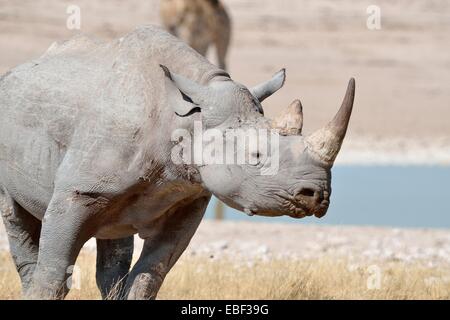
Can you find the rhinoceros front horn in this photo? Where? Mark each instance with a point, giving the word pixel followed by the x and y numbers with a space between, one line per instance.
pixel 326 142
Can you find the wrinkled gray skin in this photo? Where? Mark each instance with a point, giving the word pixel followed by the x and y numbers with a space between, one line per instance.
pixel 85 144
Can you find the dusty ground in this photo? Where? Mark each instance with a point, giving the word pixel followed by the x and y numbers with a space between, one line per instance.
pixel 402 71
pixel 228 260
pixel 247 242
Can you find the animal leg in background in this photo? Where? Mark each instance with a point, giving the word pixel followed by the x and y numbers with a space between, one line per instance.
pixel 221 44
pixel 222 37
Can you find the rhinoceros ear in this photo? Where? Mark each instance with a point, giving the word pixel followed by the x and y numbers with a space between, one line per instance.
pixel 266 89
pixel 181 93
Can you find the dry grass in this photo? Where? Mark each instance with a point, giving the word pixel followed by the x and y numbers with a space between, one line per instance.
pixel 10 282
pixel 195 278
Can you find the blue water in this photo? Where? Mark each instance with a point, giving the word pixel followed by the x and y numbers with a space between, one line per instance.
pixel 397 196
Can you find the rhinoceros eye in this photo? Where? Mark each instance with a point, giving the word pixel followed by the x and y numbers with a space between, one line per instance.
pixel 255 158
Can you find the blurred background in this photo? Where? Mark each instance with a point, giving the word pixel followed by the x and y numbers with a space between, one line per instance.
pixel 393 168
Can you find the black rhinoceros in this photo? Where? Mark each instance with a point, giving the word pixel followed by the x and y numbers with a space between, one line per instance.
pixel 86 150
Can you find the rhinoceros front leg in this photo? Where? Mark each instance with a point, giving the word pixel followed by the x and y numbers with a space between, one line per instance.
pixel 23 235
pixel 161 251
pixel 113 264
pixel 68 223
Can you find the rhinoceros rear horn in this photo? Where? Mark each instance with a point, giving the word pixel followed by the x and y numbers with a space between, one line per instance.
pixel 291 121
pixel 326 142
pixel 266 89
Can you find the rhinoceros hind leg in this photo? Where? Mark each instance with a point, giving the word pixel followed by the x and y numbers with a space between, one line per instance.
pixel 23 235
pixel 113 264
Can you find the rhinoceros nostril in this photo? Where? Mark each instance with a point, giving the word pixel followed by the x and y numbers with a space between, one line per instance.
pixel 307 192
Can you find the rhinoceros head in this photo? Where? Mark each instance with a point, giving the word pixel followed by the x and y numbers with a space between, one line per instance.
pixel 284 173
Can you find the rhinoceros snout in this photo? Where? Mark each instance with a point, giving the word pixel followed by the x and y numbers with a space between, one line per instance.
pixel 310 202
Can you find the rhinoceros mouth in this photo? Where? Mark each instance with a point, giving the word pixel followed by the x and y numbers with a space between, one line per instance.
pixel 296 209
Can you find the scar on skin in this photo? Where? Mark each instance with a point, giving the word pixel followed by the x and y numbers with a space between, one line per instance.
pixel 91 198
